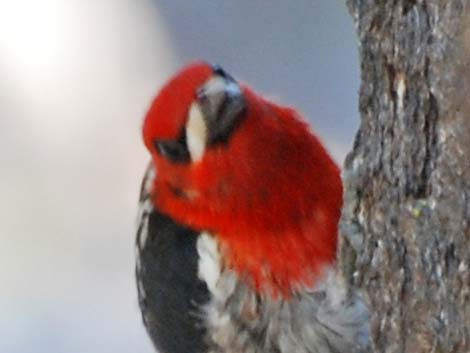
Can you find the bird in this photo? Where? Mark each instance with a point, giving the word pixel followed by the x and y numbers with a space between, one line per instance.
pixel 237 233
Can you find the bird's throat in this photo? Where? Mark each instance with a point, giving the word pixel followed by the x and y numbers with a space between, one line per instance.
pixel 278 263
pixel 274 253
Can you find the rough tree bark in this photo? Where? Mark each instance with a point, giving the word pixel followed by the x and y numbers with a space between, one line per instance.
pixel 406 220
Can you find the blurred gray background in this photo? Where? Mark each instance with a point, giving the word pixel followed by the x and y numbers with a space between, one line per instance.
pixel 76 77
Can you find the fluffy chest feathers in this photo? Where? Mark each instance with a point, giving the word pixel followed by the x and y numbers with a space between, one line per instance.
pixel 322 319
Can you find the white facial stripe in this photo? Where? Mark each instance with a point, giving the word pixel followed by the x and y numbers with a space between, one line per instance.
pixel 196 133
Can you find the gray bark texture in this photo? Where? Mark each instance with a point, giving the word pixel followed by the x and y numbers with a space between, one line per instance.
pixel 406 220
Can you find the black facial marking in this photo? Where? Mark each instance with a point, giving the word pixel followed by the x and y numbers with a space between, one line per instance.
pixel 218 70
pixel 174 150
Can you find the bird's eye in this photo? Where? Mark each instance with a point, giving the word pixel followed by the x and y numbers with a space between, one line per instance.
pixel 173 150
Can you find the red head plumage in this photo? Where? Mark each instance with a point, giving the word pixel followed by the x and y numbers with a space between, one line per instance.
pixel 168 112
pixel 268 189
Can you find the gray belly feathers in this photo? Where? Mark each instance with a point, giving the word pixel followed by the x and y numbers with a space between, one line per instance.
pixel 325 319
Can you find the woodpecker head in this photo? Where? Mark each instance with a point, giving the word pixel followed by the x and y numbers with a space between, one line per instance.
pixel 249 171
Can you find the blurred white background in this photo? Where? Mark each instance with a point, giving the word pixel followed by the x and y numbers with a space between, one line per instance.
pixel 76 77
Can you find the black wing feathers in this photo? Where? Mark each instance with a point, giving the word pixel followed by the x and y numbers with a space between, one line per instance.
pixel 170 292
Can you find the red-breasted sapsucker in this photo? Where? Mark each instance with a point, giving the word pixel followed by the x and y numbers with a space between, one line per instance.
pixel 238 226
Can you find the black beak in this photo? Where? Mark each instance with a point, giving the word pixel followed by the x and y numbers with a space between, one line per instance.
pixel 223 105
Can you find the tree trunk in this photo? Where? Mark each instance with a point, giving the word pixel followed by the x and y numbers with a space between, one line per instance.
pixel 406 220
